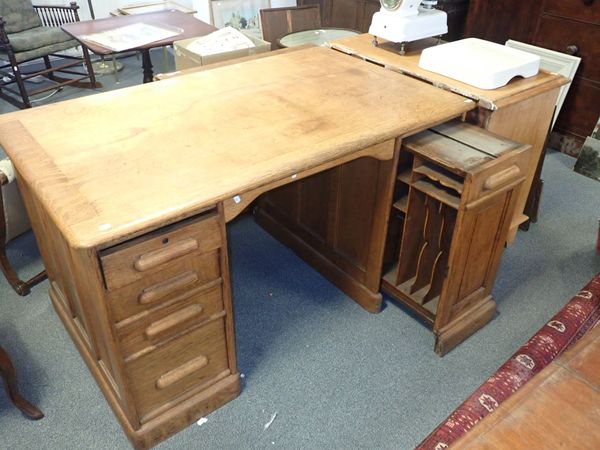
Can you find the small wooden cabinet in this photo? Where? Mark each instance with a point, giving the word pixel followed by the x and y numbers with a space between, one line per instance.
pixel 455 192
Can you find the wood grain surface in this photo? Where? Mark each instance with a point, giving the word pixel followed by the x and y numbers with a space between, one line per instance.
pixel 387 55
pixel 163 151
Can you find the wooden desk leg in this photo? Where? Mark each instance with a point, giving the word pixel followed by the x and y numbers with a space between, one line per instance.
pixel 147 66
pixel 8 373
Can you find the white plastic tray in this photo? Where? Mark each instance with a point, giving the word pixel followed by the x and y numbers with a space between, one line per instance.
pixel 480 63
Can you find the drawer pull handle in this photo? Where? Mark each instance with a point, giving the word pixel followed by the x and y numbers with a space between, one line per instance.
pixel 173 376
pixel 158 327
pixel 572 49
pixel 501 178
pixel 155 258
pixel 158 291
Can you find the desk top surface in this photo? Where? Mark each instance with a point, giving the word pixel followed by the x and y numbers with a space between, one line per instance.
pixel 191 27
pixel 386 54
pixel 113 165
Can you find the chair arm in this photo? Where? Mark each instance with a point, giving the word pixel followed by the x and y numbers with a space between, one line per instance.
pixel 55 16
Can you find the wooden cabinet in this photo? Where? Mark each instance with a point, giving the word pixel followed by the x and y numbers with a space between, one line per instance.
pixel 357 14
pixel 567 26
pixel 455 193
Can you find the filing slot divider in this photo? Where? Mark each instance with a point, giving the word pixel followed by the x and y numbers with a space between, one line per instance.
pixel 459 180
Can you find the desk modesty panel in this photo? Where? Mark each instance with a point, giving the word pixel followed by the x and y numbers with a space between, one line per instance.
pixel 129 207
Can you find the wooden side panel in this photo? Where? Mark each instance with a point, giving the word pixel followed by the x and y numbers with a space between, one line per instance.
pixel 337 221
pixel 314 198
pixel 527 122
pixel 481 246
pixel 356 203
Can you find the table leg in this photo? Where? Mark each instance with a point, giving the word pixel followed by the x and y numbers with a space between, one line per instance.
pixel 147 66
pixel 7 371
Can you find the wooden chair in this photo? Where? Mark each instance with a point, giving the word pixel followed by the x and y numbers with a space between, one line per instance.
pixel 9 375
pixel 13 222
pixel 277 22
pixel 30 32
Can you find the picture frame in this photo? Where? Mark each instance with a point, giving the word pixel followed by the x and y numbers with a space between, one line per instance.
pixel 552 61
pixel 240 14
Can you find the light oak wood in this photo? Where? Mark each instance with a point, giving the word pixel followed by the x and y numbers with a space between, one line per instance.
pixel 386 54
pixel 461 198
pixel 288 127
pixel 139 268
pixel 520 111
pixel 558 408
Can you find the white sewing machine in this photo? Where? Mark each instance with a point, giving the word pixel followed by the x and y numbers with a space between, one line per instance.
pixel 407 20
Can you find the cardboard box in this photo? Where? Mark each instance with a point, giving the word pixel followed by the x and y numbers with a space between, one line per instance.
pixel 185 59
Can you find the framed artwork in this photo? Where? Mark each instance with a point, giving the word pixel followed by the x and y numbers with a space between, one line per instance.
pixel 561 63
pixel 240 14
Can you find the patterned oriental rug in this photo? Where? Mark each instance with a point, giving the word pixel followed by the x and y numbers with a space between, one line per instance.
pixel 580 314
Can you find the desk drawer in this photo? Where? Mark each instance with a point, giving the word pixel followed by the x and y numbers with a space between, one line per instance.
pixel 154 252
pixel 198 358
pixel 167 286
pixel 587 11
pixel 566 36
pixel 143 332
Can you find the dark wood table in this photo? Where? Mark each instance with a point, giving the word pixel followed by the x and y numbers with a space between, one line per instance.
pixel 191 28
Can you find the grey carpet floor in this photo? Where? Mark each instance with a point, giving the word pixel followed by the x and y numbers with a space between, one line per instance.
pixel 334 375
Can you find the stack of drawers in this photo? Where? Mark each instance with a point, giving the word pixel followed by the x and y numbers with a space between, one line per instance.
pixel 165 295
pixel 573 27
pixel 566 26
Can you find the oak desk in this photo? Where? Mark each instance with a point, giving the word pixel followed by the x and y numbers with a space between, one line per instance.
pixel 131 221
pixel 521 111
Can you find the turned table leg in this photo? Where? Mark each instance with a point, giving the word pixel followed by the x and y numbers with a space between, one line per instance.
pixel 7 371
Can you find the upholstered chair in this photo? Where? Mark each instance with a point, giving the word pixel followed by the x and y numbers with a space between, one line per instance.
pixel 29 32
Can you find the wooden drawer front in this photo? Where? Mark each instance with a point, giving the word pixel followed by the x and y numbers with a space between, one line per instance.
pixel 195 359
pixel 586 10
pixel 143 332
pixel 156 251
pixel 167 286
pixel 579 113
pixel 559 34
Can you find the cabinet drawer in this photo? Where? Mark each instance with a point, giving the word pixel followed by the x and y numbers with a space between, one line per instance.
pixel 575 9
pixel 560 34
pixel 579 113
pixel 168 285
pixel 198 358
pixel 143 332
pixel 156 251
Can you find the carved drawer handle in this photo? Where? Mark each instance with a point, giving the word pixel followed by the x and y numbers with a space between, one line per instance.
pixel 158 291
pixel 501 178
pixel 155 258
pixel 158 327
pixel 572 49
pixel 173 376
